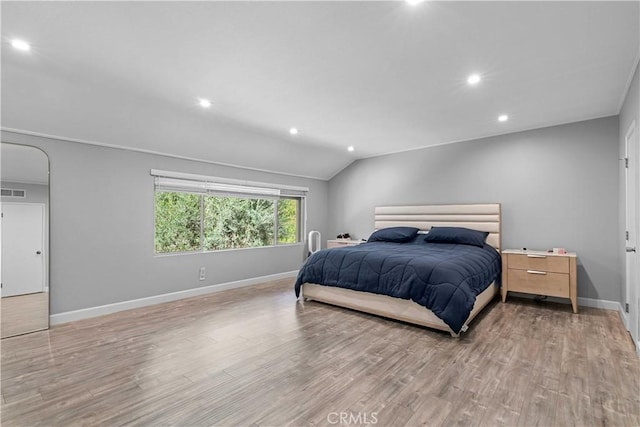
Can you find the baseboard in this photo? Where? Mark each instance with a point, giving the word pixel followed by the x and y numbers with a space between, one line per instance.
pixel 624 317
pixel 582 302
pixel 86 313
pixel 625 321
pixel 600 303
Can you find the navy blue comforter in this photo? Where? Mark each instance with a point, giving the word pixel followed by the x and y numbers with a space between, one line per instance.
pixel 445 278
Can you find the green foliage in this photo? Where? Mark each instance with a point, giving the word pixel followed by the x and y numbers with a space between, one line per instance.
pixel 287 221
pixel 228 222
pixel 231 222
pixel 177 222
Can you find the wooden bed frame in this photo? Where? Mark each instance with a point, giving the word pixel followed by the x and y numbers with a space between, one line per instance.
pixel 483 217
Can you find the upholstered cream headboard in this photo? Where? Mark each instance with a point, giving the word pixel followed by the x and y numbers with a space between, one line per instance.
pixel 483 217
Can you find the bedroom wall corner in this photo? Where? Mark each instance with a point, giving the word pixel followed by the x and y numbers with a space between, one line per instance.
pixel 558 187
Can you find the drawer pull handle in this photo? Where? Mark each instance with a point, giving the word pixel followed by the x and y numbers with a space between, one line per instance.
pixel 536 256
pixel 536 272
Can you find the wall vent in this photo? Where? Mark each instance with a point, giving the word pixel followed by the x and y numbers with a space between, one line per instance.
pixel 11 192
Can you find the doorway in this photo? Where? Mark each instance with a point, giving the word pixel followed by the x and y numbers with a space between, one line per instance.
pixel 23 266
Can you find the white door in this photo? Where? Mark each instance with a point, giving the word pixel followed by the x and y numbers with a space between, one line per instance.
pixel 632 217
pixel 23 268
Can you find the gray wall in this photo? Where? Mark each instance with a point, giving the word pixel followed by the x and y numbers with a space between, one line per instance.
pixel 629 113
pixel 102 227
pixel 558 187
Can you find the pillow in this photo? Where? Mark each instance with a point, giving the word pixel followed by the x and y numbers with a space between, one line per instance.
pixel 458 235
pixel 394 234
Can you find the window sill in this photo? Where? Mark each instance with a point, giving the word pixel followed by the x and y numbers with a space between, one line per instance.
pixel 171 254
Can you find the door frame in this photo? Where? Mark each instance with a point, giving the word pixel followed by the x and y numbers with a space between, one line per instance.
pixel 45 284
pixel 632 293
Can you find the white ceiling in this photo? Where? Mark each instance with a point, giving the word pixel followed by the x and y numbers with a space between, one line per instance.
pixel 381 76
pixel 19 163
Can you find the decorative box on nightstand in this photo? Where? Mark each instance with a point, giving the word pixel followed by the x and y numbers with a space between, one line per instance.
pixel 540 273
pixel 338 243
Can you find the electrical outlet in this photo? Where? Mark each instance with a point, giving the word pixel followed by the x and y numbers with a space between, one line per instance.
pixel 202 275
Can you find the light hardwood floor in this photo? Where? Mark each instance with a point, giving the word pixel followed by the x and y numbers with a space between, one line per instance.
pixel 254 356
pixel 24 313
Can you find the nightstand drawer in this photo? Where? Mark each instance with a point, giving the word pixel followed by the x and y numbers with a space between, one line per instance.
pixel 549 263
pixel 538 282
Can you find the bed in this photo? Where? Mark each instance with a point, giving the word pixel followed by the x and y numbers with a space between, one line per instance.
pixel 328 276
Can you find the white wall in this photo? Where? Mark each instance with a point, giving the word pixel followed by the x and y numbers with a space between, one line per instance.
pixel 102 227
pixel 558 187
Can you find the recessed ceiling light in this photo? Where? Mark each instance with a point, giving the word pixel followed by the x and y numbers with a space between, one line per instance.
pixel 414 2
pixel 503 118
pixel 293 131
pixel 473 79
pixel 205 103
pixel 20 45
pixel 350 148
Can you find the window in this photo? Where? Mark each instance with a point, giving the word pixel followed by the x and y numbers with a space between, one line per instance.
pixel 194 213
pixel 177 222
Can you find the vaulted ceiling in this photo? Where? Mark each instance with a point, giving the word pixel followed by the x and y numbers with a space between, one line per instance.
pixel 379 76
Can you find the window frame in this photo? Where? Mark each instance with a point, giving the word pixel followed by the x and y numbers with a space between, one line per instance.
pixel 299 219
pixel 205 186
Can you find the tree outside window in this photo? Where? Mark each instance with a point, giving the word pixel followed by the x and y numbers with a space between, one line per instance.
pixel 192 222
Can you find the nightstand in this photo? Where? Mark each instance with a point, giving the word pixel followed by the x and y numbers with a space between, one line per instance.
pixel 540 273
pixel 339 243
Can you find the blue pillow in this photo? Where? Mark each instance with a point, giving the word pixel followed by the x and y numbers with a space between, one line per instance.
pixel 457 235
pixel 394 234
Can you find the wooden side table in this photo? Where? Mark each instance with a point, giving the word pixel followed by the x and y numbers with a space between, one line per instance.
pixel 540 273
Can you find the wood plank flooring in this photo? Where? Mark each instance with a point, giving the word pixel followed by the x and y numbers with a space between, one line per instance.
pixel 256 357
pixel 24 313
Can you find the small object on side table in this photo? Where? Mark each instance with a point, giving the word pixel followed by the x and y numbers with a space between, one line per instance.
pixel 338 243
